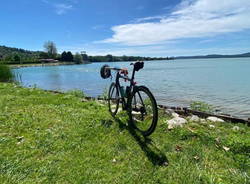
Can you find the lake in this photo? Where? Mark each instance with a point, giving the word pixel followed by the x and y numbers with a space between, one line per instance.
pixel 224 83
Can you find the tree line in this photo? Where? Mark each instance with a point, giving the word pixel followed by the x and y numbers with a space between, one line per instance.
pixel 18 56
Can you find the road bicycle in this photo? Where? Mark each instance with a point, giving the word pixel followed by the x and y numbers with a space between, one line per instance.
pixel 138 101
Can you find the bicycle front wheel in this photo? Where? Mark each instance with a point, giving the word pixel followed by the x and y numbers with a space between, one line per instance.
pixel 113 99
pixel 143 112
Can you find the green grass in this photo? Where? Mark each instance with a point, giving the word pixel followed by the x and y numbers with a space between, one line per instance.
pixel 56 138
pixel 6 74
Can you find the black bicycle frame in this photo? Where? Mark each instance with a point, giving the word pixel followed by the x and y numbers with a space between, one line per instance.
pixel 132 84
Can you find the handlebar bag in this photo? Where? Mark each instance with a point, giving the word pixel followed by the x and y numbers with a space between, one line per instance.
pixel 105 72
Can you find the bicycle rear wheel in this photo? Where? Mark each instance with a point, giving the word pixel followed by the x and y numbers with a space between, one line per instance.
pixel 143 112
pixel 113 99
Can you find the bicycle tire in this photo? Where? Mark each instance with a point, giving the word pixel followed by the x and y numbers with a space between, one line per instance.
pixel 151 124
pixel 113 101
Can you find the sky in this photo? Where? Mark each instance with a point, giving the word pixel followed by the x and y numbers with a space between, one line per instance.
pixel 128 27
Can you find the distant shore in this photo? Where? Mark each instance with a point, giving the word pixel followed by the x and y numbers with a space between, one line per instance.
pixel 40 64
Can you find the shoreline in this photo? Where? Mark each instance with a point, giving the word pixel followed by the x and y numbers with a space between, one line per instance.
pixel 180 110
pixel 16 66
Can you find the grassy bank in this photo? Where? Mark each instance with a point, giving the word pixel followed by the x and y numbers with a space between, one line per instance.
pixel 56 138
pixel 6 74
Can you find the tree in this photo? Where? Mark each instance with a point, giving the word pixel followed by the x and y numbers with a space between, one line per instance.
pixel 69 56
pixel 17 58
pixel 78 58
pixel 43 55
pixel 85 57
pixel 50 48
pixel 109 57
pixel 64 56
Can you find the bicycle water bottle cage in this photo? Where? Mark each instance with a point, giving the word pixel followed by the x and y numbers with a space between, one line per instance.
pixel 105 72
pixel 138 65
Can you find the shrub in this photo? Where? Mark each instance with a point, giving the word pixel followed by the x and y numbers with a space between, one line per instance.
pixel 6 75
pixel 78 58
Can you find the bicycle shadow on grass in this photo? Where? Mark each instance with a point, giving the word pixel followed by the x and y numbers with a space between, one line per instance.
pixel 154 154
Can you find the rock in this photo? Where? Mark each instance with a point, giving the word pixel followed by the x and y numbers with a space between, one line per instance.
pixel 194 118
pixel 169 112
pixel 175 115
pixel 215 119
pixel 165 163
pixel 196 157
pixel 84 100
pixel 102 101
pixel 175 122
pixel 236 128
pixel 226 148
pixel 211 126
pixel 203 121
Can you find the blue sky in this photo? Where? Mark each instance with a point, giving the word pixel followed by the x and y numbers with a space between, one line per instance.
pixel 131 27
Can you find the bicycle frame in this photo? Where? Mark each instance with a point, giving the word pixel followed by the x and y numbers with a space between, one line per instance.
pixel 131 86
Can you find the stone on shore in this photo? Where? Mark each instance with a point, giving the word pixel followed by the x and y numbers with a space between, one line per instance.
pixel 211 126
pixel 175 115
pixel 203 121
pixel 175 122
pixel 215 119
pixel 169 112
pixel 194 118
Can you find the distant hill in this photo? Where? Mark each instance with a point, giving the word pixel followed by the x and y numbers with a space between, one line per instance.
pixel 214 56
pixel 4 51
pixel 15 55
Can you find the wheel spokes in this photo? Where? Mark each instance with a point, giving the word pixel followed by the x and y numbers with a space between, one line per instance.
pixel 142 114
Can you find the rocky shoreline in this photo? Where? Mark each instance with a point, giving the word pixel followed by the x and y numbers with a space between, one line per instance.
pixel 189 114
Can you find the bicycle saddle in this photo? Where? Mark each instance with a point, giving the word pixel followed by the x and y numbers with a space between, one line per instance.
pixel 138 65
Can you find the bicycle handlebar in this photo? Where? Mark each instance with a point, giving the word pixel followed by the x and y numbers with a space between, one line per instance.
pixel 114 68
pixel 106 73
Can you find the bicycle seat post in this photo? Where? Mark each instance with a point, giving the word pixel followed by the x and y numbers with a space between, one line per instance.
pixel 132 78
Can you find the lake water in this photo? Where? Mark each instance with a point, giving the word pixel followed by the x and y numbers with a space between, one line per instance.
pixel 224 83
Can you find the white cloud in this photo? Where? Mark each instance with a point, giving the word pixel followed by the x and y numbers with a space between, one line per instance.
pixel 145 19
pixel 191 19
pixel 62 8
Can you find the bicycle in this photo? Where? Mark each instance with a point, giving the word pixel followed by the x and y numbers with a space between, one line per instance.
pixel 138 101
